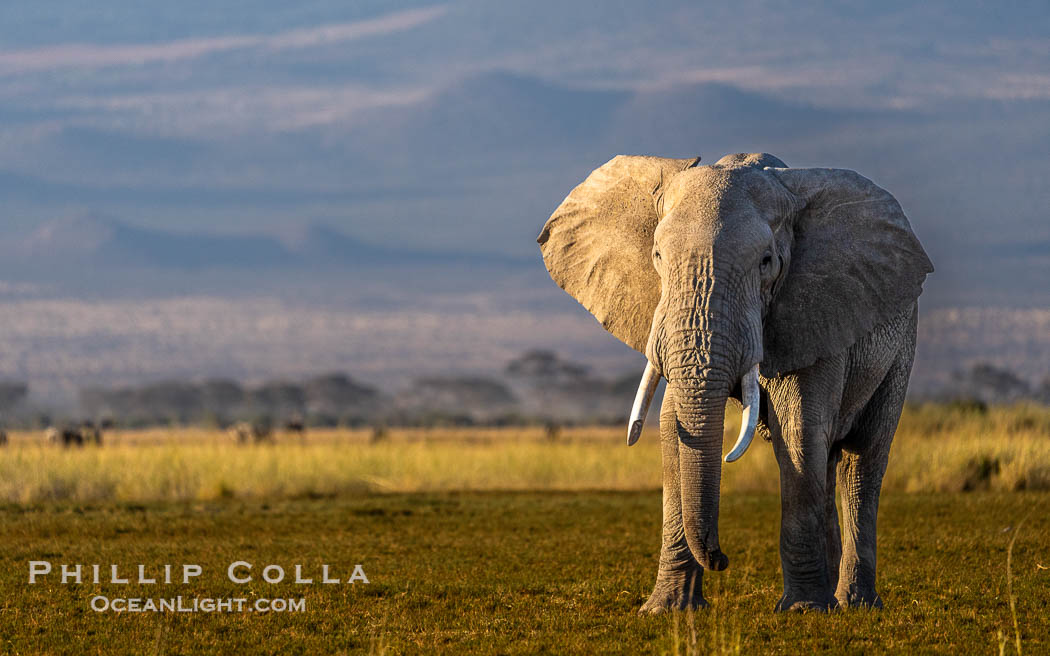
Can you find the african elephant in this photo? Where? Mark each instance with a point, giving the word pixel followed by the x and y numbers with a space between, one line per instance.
pixel 792 290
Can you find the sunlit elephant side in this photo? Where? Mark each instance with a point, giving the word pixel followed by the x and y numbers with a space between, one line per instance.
pixel 793 290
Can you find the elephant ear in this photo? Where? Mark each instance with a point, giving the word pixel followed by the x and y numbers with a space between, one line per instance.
pixel 598 244
pixel 854 264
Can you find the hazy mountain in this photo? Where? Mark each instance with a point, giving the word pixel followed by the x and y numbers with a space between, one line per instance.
pixel 714 118
pixel 323 244
pixel 466 176
pixel 105 242
pixel 320 244
pixel 524 121
pixel 506 113
pixel 76 254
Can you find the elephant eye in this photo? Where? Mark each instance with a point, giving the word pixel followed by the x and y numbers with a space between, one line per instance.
pixel 656 255
pixel 767 261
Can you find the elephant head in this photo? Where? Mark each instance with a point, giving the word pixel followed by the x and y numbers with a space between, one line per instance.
pixel 717 273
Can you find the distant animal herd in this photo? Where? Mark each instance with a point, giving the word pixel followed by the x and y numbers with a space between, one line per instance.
pixel 87 432
pixel 90 433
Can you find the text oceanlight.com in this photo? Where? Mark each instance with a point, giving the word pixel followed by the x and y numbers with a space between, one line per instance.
pixel 101 604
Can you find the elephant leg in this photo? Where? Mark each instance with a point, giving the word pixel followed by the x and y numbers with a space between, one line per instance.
pixel 679 581
pixel 806 406
pixel 866 451
pixel 804 547
pixel 831 519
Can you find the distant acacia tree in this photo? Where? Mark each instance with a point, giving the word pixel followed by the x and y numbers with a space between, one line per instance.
pixel 223 399
pixel 278 398
pixel 170 401
pixel 556 389
pixel 11 394
pixel 462 399
pixel 545 368
pixel 95 402
pixel 988 384
pixel 1042 393
pixel 222 394
pixel 466 390
pixel 335 397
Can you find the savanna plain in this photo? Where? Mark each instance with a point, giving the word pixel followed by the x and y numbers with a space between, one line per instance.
pixel 509 540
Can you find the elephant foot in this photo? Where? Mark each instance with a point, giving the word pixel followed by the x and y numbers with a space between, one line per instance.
pixel 859 598
pixel 790 604
pixel 675 591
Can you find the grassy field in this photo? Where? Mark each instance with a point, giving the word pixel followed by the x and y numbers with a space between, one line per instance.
pixel 516 573
pixel 937 449
pixel 505 541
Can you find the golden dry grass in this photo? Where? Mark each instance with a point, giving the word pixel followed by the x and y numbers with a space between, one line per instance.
pixel 937 449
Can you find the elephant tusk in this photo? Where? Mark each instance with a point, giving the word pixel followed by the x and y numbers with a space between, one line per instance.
pixel 749 420
pixel 642 399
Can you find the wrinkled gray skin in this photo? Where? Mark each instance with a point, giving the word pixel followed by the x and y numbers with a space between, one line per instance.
pixel 708 270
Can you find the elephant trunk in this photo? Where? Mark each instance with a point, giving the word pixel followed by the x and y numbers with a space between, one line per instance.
pixel 700 410
pixel 704 346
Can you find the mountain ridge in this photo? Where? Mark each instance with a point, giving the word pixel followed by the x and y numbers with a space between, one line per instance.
pixel 99 240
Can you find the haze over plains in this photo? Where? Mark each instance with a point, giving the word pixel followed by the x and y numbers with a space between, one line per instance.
pixel 193 191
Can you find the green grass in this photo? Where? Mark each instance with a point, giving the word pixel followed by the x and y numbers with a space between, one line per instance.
pixel 518 572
